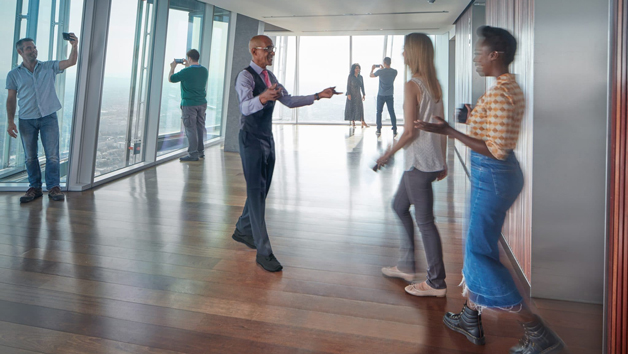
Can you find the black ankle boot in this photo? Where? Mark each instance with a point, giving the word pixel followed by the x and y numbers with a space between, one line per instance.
pixel 537 339
pixel 467 322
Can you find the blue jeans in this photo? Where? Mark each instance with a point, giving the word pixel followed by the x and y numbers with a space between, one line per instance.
pixel 30 129
pixel 495 185
pixel 390 103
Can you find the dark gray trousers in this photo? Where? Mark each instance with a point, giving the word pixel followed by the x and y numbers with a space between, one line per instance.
pixel 258 163
pixel 194 122
pixel 416 188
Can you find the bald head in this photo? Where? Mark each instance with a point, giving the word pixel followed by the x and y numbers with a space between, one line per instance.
pixel 259 41
pixel 262 50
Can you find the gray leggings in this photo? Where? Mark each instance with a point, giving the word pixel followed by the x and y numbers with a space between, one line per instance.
pixel 416 188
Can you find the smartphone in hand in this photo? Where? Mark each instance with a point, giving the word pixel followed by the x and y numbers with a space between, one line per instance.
pixel 66 36
pixel 179 61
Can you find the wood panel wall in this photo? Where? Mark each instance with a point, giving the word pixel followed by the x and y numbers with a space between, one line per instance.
pixel 518 17
pixel 617 282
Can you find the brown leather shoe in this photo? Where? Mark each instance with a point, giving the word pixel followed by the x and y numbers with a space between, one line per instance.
pixel 56 194
pixel 31 194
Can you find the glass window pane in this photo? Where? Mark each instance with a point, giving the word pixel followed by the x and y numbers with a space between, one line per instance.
pixel 369 50
pixel 284 67
pixel 197 32
pixel 44 49
pixel 58 11
pixel 74 23
pixel 318 70
pixel 395 52
pixel 12 168
pixel 184 33
pixel 23 25
pixel 6 57
pixel 217 65
pixel 124 94
pixel 25 7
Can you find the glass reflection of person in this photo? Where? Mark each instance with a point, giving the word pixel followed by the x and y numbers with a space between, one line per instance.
pixel 258 90
pixel 354 108
pixel 425 155
pixel 496 181
pixel 31 88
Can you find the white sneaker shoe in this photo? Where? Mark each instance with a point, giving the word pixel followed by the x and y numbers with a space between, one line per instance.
pixel 423 289
pixel 394 272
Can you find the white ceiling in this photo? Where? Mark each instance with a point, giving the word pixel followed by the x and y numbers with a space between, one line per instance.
pixel 344 17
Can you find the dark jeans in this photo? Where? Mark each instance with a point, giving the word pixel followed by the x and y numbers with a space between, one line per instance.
pixel 194 122
pixel 258 163
pixel 390 103
pixel 30 129
pixel 416 188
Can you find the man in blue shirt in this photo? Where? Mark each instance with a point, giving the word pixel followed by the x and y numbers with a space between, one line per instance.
pixel 385 95
pixel 32 87
pixel 258 90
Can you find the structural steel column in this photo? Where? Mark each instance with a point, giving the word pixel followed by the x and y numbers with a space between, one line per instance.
pixel 91 69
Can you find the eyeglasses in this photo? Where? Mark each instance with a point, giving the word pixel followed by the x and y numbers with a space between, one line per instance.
pixel 269 49
pixel 478 53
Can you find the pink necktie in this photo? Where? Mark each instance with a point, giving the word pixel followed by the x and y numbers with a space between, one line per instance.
pixel 266 79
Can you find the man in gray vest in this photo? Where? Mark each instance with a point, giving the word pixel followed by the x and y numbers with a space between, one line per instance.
pixel 385 95
pixel 258 90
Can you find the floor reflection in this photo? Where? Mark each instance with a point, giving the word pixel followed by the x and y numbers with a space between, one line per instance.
pixel 152 252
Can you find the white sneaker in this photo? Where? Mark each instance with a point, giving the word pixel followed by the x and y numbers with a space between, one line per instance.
pixel 423 289
pixel 394 272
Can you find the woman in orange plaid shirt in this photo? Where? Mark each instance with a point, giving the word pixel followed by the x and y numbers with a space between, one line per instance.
pixel 496 181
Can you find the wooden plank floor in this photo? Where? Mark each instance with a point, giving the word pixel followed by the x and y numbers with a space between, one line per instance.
pixel 146 264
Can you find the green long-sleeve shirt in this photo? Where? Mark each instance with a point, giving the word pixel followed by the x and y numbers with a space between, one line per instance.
pixel 193 83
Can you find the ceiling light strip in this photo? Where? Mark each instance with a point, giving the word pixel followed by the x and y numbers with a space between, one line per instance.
pixel 366 14
pixel 371 30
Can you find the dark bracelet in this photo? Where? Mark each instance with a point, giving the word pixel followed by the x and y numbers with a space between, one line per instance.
pixel 317 97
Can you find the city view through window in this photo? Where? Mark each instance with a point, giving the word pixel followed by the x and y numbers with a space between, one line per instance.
pixel 318 70
pixel 124 97
pixel 50 46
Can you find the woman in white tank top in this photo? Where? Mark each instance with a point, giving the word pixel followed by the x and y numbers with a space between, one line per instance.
pixel 424 163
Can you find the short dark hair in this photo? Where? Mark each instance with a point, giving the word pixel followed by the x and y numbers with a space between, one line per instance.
pixel 499 39
pixel 193 54
pixel 20 44
pixel 387 61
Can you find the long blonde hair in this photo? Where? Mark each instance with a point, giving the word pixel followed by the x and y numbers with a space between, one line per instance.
pixel 419 53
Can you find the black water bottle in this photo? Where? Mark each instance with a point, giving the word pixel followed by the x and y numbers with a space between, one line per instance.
pixel 462 113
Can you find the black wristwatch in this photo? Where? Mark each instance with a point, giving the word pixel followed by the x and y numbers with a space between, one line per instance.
pixel 317 97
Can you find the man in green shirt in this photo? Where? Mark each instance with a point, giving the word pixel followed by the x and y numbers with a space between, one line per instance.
pixel 193 80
